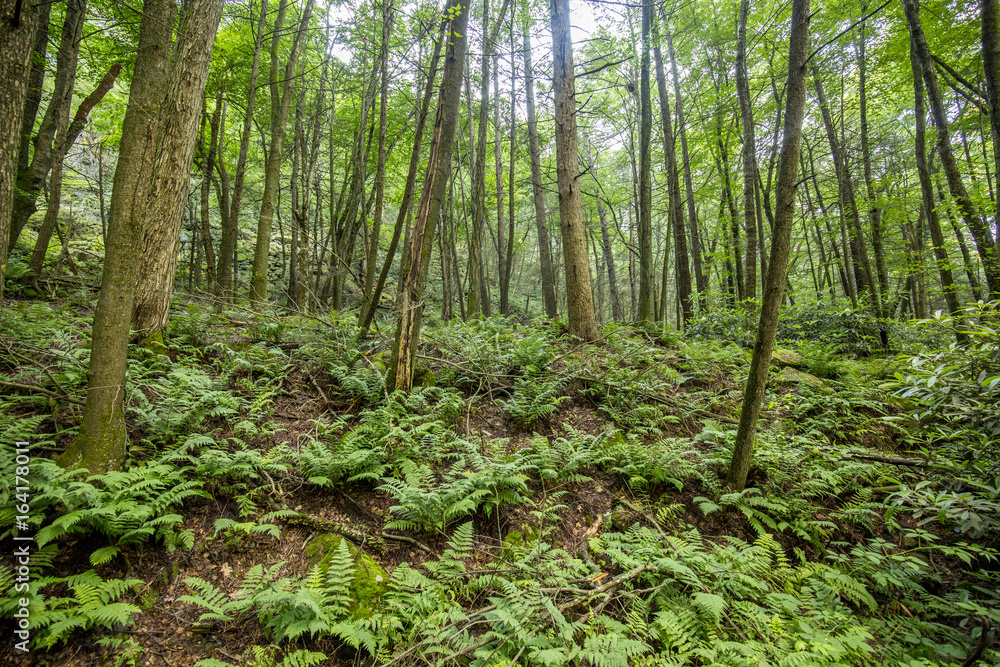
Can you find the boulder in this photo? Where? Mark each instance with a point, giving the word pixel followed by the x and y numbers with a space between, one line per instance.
pixel 792 376
pixel 783 358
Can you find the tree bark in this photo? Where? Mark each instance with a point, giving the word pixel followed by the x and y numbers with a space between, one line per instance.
pixel 165 205
pixel 545 257
pixel 991 64
pixel 414 272
pixel 579 296
pixel 774 285
pixel 609 261
pixel 18 24
pixel 100 444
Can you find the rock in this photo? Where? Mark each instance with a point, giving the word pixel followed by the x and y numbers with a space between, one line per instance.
pixel 370 580
pixel 790 375
pixel 786 358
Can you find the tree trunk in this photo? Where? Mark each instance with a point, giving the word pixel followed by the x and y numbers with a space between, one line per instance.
pixel 545 258
pixel 231 218
pixel 414 273
pixel 701 282
pixel 579 297
pixel 280 103
pixel 874 212
pixel 991 64
pixel 774 285
pixel 208 169
pixel 985 241
pixel 388 18
pixel 927 189
pixel 51 145
pixel 159 71
pixel 646 309
pixel 675 207
pixel 18 23
pixel 749 152
pixel 609 261
pixel 164 208
pixel 849 206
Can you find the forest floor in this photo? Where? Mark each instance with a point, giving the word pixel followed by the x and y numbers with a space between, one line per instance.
pixel 533 502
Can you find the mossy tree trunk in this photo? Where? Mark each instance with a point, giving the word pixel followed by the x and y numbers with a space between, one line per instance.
pixel 152 171
pixel 18 23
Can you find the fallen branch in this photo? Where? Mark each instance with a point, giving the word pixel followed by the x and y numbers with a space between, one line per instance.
pixel 889 459
pixel 41 390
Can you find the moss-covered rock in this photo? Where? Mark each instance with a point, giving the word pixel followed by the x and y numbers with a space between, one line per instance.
pixel 783 358
pixel 370 580
pixel 791 376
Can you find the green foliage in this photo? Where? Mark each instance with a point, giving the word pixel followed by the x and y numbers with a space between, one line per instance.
pixel 534 400
pixel 94 604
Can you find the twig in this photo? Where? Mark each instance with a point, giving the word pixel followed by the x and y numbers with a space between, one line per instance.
pixel 613 583
pixel 644 515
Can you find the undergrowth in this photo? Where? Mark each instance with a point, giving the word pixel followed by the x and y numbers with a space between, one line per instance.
pixel 572 497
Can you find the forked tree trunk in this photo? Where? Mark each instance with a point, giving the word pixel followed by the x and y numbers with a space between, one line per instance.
pixel 774 285
pixel 164 207
pixel 579 296
pixel 100 445
pixel 414 271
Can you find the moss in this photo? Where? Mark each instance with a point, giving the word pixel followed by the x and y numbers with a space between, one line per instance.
pixel 154 343
pixel 370 580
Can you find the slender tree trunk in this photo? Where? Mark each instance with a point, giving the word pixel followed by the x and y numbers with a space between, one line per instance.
pixel 414 272
pixel 849 207
pixel 388 18
pixel 508 264
pixel 609 261
pixel 774 285
pixel 231 218
pixel 749 151
pixel 367 314
pixel 701 282
pixel 645 184
pixel 208 170
pixel 970 268
pixel 51 146
pixel 927 189
pixel 280 103
pixel 874 212
pixel 545 257
pixel 579 296
pixel 675 206
pixel 985 241
pixel 991 65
